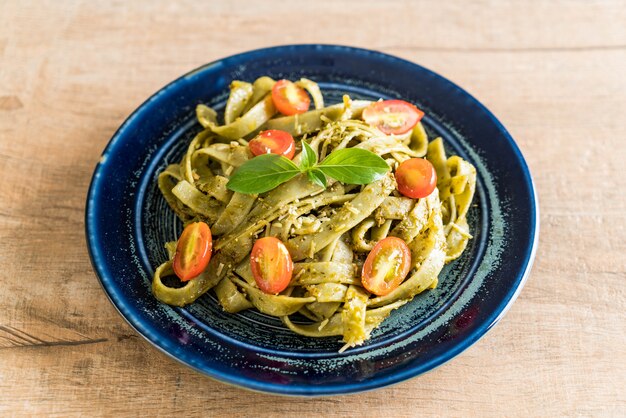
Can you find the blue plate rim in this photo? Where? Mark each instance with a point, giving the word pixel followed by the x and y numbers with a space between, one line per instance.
pixel 374 383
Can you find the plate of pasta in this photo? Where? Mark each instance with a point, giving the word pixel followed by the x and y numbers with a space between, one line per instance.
pixel 312 220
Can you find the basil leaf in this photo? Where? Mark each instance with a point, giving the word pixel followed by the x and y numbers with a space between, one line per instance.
pixel 317 177
pixel 262 173
pixel 308 158
pixel 354 166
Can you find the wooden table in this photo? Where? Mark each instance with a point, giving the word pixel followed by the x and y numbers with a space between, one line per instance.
pixel 554 72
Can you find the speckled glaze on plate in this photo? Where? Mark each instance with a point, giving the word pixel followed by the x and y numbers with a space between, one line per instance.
pixel 127 223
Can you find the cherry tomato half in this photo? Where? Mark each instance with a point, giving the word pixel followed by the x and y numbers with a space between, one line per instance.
pixel 416 178
pixel 386 266
pixel 289 98
pixel 273 141
pixel 392 116
pixel 193 251
pixel 271 265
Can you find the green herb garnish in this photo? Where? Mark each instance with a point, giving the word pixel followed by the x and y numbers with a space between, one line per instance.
pixel 308 158
pixel 354 166
pixel 349 165
pixel 262 173
pixel 317 176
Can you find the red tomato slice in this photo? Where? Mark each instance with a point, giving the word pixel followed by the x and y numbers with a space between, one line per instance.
pixel 290 99
pixel 193 251
pixel 271 265
pixel 386 266
pixel 392 116
pixel 416 178
pixel 273 141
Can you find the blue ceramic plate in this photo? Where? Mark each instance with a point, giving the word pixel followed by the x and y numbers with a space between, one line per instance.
pixel 128 221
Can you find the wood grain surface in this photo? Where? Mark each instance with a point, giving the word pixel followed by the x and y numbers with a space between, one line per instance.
pixel 554 72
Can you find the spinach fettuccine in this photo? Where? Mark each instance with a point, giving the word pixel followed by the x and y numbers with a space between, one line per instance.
pixel 328 217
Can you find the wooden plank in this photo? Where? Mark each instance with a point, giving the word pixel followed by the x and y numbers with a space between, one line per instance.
pixel 552 71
